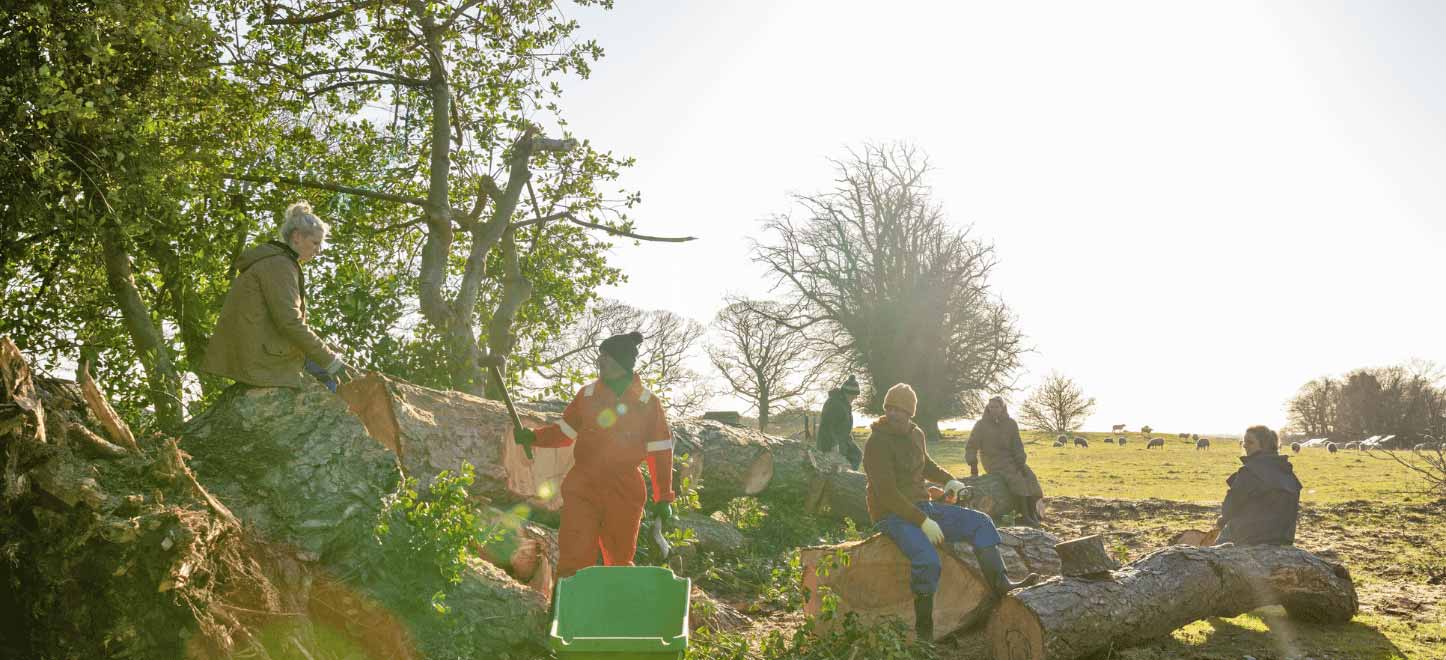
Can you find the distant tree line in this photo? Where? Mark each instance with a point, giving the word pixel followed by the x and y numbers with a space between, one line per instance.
pixel 1407 401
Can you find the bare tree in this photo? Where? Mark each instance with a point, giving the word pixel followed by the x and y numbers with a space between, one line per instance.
pixel 670 343
pixel 762 359
pixel 889 287
pixel 1313 410
pixel 1058 405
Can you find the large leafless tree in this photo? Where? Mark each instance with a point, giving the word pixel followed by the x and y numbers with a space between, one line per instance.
pixel 670 343
pixel 762 359
pixel 1057 405
pixel 888 286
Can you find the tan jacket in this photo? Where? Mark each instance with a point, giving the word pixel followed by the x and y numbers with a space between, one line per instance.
pixel 1002 450
pixel 262 338
pixel 897 463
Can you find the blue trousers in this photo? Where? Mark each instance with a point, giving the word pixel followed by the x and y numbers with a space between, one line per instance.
pixel 958 523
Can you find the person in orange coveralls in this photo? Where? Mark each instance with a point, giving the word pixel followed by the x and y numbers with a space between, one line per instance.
pixel 613 424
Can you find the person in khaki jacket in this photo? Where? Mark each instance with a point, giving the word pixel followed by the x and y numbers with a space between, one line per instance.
pixel 262 338
pixel 897 464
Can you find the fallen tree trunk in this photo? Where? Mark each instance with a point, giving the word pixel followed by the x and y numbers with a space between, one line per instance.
pixel 1067 618
pixel 843 495
pixel 990 494
pixel 431 431
pixel 871 577
pixel 735 462
pixel 712 536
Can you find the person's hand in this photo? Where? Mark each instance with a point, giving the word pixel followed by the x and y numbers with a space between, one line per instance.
pixel 524 437
pixel 932 531
pixel 952 488
pixel 663 512
pixel 973 469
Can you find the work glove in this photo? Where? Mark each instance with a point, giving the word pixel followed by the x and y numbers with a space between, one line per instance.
pixel 932 531
pixel 952 488
pixel 524 437
pixel 663 512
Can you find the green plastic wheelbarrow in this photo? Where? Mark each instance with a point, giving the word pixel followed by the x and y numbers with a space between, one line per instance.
pixel 620 613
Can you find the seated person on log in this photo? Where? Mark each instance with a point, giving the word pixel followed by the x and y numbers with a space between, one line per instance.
pixel 836 424
pixel 897 463
pixel 1263 501
pixel 995 439
pixel 262 338
pixel 614 424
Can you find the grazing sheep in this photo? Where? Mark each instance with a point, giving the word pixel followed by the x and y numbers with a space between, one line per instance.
pixel 1060 443
pixel 1331 447
pixel 1123 440
pixel 1081 442
pixel 1063 439
pixel 1202 443
pixel 1195 437
pixel 1157 442
pixel 1109 440
pixel 1295 447
pixel 1353 445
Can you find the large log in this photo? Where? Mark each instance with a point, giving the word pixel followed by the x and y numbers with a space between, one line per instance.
pixel 1067 618
pixel 298 468
pixel 734 461
pixel 432 430
pixel 523 548
pixel 842 495
pixel 712 536
pixel 871 577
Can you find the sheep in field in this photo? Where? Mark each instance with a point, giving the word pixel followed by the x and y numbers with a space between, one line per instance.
pixel 1295 447
pixel 1331 447
pixel 1157 442
pixel 1202 443
pixel 1081 442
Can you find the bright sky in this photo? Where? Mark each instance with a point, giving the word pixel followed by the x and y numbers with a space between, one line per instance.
pixel 1197 207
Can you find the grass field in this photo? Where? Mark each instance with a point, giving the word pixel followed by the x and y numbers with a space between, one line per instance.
pixel 1354 505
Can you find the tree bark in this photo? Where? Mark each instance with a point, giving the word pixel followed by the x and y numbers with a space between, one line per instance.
pixel 1069 618
pixel 842 495
pixel 164 384
pixel 735 461
pixel 875 582
pixel 431 431
pixel 713 537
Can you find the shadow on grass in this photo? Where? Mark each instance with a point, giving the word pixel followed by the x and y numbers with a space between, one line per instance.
pixel 1266 633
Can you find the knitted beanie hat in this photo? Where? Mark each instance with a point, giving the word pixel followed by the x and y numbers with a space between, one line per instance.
pixel 623 348
pixel 902 396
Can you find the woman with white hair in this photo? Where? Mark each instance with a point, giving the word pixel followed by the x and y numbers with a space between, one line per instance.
pixel 262 338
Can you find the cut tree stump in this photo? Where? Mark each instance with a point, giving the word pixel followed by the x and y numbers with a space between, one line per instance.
pixel 874 583
pixel 525 549
pixel 1084 557
pixel 1066 618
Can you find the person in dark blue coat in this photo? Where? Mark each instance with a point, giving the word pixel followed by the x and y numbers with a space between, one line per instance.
pixel 1263 502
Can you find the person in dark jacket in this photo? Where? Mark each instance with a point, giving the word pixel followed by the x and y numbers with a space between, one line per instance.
pixel 836 425
pixel 1263 501
pixel 897 464
pixel 996 440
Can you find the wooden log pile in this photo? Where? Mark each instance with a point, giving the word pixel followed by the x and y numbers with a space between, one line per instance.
pixel 1072 617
